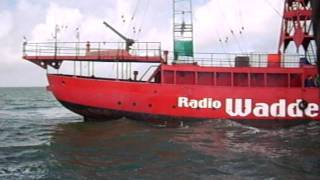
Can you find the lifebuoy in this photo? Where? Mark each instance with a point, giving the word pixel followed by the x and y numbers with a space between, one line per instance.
pixel 303 105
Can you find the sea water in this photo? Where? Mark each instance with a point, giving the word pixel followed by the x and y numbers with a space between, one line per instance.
pixel 40 139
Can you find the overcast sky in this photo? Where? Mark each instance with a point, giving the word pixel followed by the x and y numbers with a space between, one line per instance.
pixel 213 20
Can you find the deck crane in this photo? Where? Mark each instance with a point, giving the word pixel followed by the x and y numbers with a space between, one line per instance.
pixel 129 42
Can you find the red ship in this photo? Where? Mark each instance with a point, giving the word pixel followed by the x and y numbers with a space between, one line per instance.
pixel 260 89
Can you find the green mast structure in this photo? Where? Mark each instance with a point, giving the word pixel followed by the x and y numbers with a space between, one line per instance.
pixel 182 31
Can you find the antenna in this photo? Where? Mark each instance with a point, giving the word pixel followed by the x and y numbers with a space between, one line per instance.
pixel 182 29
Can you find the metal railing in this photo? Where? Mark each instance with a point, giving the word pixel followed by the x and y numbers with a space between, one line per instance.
pixel 253 60
pixel 145 49
pixel 153 49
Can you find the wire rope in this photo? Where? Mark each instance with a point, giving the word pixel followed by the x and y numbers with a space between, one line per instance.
pixel 274 9
pixel 142 23
pixel 229 26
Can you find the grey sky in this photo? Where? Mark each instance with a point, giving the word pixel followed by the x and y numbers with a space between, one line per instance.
pixel 213 20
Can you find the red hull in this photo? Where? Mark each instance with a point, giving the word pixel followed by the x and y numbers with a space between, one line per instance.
pixel 101 98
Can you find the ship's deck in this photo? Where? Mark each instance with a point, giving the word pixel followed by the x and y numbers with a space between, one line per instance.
pixel 97 58
pixel 150 52
pixel 214 69
pixel 92 51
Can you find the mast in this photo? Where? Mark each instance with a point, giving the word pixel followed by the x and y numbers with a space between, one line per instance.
pixel 182 30
pixel 297 27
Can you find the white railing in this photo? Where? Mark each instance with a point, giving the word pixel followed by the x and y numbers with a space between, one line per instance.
pixel 254 60
pixel 153 49
pixel 145 49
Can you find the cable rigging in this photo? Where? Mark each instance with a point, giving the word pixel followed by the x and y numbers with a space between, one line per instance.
pixel 141 25
pixel 135 26
pixel 133 18
pixel 230 29
pixel 242 26
pixel 274 9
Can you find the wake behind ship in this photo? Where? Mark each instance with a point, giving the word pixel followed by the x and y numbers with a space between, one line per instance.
pixel 267 89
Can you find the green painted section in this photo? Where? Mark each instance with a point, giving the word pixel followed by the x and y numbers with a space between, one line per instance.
pixel 183 48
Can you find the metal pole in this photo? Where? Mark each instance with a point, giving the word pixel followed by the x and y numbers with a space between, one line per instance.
pixel 173 29
pixel 117 72
pixel 122 70
pixel 129 71
pixel 80 68
pixel 88 68
pixel 93 69
pixel 74 68
pixel 56 40
pixel 127 68
pixel 193 60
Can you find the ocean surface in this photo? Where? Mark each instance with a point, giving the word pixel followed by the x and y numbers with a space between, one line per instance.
pixel 39 139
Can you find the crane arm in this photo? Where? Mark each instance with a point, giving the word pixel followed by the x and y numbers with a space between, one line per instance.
pixel 115 31
pixel 129 42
